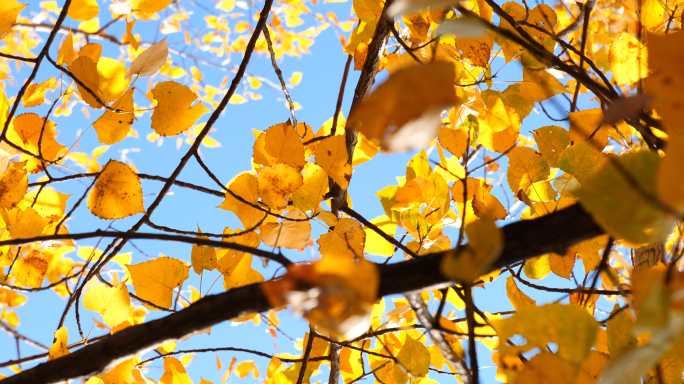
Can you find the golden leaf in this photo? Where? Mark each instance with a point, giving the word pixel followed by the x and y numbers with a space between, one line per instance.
pixel 117 193
pixel 331 155
pixel 276 183
pixel 156 279
pixel 174 113
pixel 112 303
pixel 59 347
pixel 112 127
pixel 346 240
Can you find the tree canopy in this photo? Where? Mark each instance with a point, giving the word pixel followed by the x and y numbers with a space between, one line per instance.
pixel 550 251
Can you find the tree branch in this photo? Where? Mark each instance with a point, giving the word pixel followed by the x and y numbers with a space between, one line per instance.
pixel 524 239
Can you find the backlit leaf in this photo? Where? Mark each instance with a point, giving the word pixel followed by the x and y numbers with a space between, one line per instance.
pixel 117 193
pixel 9 11
pixel 150 60
pixel 346 240
pixel 331 155
pixel 287 234
pixel 518 298
pixel 156 279
pixel 112 127
pixel 59 347
pixel 112 303
pixel 174 112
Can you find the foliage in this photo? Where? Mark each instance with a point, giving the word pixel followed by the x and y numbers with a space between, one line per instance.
pixel 611 159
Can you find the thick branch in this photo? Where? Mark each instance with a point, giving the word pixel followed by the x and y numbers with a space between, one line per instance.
pixel 524 239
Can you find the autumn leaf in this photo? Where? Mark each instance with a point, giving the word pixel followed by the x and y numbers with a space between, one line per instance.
pixel 13 184
pixel 174 372
pixel 279 144
pixel 112 127
pixel 525 167
pixel 485 243
pixel 83 10
pixel 311 193
pixel 539 85
pixel 66 54
pixel 331 155
pixel 9 11
pixel 150 60
pixel 375 244
pixel 134 43
pixel 412 96
pixel 203 258
pixel 628 59
pixel 241 273
pixel 569 326
pixel 35 93
pixel 156 279
pixel 414 357
pixel 23 223
pixel 276 183
pixel 245 186
pixel 547 368
pixel 26 132
pixel 551 141
pixel 346 240
pixel 518 298
pixel 174 113
pixel 104 78
pixel 59 347
pixel 30 270
pixel 617 197
pixel 121 374
pixel 287 234
pixel 117 193
pixel 112 303
pixel 151 6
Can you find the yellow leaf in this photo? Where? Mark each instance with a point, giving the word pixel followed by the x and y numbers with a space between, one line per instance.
pixel 243 369
pixel 13 185
pixel 651 15
pixel 113 303
pixel 486 205
pixel 241 274
pixel 92 50
pixel 245 186
pixel 311 193
pixel 156 279
pixel 174 113
pixel 476 49
pixel 525 166
pixel 112 127
pixel 279 144
pixel 66 54
pixel 31 269
pixel 345 240
pixel 562 265
pixel 551 141
pixel 495 118
pixel 59 347
pixel 592 367
pixel 23 223
pixel 669 180
pixel 375 244
pixel 517 297
pixel 505 140
pixel 83 10
pixel 174 372
pixel 287 234
pixel 569 326
pixel 547 368
pixel 227 259
pixel 121 374
pixel 110 83
pixel 35 93
pixel 539 85
pixel 117 193
pixel 410 96
pixel 50 204
pixel 586 124
pixel 202 258
pixel 454 140
pixel 295 79
pixel 9 11
pixel 620 208
pixel 537 267
pixel 581 160
pixel 149 61
pixel 628 59
pixel 276 183
pixel 485 243
pixel 414 357
pixel 131 38
pixel 331 155
pixel 25 132
pixel 168 347
pixel 368 10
